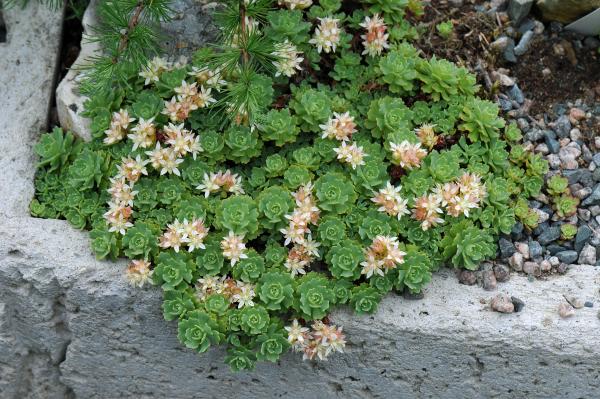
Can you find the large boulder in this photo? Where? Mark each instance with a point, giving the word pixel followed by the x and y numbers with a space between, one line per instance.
pixel 566 11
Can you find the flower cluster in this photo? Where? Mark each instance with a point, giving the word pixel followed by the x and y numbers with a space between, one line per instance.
pixel 319 341
pixel 341 127
pixel 383 255
pixel 407 155
pixel 376 38
pixel 237 292
pixel 139 272
pixel 118 127
pixel 190 234
pixel 233 247
pixel 151 73
pixel 457 197
pixel 225 181
pixel 189 98
pixel 287 59
pixel 298 233
pixel 327 35
pixel 390 201
pixel 351 154
pixel 207 77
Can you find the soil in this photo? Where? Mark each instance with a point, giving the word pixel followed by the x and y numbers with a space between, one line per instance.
pixel 573 72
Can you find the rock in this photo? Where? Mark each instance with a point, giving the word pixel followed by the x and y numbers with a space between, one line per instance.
pixel 535 249
pixel 506 247
pixel 545 265
pixel 502 273
pixel 412 296
pixel 593 198
pixel 190 28
pixel 489 280
pixel 532 268
pixel 518 304
pixel 568 156
pixel 565 310
pixel 576 115
pixel 562 268
pixel 515 94
pixel 500 44
pixel 596 158
pixel 567 256
pixel 551 142
pixel 587 256
pixel 575 134
pixel 553 160
pixel 554 261
pixel 584 214
pixel 555 248
pixel 524 43
pixel 518 10
pixel 509 52
pixel 596 174
pixel 517 231
pixel 566 11
pixel 467 277
pixel 584 233
pixel 549 235
pixel 588 304
pixel 582 176
pixel 574 301
pixel 562 126
pixel 502 303
pixel 582 193
pixel 516 261
pixel 595 210
pixel 523 248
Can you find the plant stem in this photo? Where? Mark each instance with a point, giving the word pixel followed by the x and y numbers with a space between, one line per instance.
pixel 132 24
pixel 243 33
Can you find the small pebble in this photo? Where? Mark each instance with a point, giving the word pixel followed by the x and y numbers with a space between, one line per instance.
pixel 523 248
pixel 562 268
pixel 554 261
pixel 576 115
pixel 502 303
pixel 565 310
pixel 532 268
pixel 516 261
pixel 588 304
pixel 587 256
pixel 523 45
pixel 502 273
pixel 574 301
pixel 467 277
pixel 545 265
pixel 489 280
pixel 517 303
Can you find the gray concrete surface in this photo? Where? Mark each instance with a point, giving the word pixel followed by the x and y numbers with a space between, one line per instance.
pixel 70 327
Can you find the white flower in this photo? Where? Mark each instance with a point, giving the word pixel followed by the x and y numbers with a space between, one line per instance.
pixel 244 296
pixel 296 333
pixel 327 35
pixel 234 247
pixel 139 273
pixel 350 154
pixel 287 59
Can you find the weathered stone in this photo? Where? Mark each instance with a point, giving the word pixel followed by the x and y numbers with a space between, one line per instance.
pixel 566 11
pixel 532 268
pixel 518 303
pixel 584 233
pixel 467 277
pixel 518 10
pixel 548 235
pixel 535 249
pixel 502 303
pixel 545 265
pixel 516 261
pixel 507 248
pixel 565 310
pixel 574 301
pixel 593 198
pixel 551 142
pixel 587 256
pixel 524 43
pixel 502 273
pixel 567 256
pixel 489 280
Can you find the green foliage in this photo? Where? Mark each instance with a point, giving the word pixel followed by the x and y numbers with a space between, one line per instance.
pixel 465 245
pixel 248 214
pixel 568 231
pixel 445 29
pixel 566 205
pixel 557 185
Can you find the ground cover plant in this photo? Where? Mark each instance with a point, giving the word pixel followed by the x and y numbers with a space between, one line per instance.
pixel 310 159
